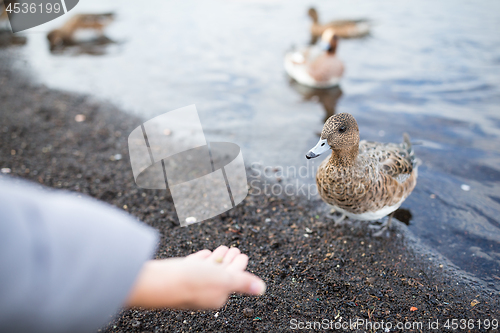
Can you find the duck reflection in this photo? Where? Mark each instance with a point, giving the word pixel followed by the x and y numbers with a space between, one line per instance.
pixel 7 38
pixel 327 97
pixel 96 46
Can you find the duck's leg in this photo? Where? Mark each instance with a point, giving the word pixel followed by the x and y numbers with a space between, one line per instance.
pixel 385 226
pixel 389 222
pixel 336 220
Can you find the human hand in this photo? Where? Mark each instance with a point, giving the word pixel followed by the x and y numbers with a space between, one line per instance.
pixel 202 280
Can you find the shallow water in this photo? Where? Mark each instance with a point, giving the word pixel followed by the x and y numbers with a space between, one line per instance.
pixel 429 69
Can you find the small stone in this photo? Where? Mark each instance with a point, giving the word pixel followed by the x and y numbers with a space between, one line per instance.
pixel 6 170
pixel 267 220
pixel 190 220
pixel 216 314
pixel 248 312
pixel 118 157
pixel 80 118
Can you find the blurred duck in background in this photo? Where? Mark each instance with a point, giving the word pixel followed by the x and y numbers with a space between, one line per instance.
pixel 67 34
pixel 316 67
pixel 343 28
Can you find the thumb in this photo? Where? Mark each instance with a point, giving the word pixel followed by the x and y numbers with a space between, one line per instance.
pixel 246 283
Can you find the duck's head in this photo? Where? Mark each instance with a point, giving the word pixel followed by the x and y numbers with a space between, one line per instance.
pixel 313 14
pixel 329 40
pixel 340 132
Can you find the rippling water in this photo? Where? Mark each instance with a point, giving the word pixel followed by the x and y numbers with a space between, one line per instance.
pixel 431 69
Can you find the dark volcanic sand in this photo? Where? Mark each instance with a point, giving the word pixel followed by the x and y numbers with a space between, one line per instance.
pixel 313 270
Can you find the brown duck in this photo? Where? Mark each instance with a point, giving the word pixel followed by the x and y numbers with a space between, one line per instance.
pixel 362 180
pixel 64 36
pixel 343 28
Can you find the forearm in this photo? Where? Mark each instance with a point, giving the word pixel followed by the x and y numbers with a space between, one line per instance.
pixel 159 286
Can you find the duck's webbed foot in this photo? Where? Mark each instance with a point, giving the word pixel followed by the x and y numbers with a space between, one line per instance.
pixel 336 217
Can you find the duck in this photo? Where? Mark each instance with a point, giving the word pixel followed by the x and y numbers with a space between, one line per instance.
pixel 343 28
pixel 65 35
pixel 362 180
pixel 316 67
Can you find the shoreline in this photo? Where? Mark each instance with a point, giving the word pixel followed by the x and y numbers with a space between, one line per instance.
pixel 313 270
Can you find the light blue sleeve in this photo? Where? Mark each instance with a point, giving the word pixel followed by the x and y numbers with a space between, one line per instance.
pixel 67 263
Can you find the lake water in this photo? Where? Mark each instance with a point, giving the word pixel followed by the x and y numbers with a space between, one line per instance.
pixel 431 69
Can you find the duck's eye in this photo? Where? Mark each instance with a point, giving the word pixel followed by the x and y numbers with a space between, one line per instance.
pixel 322 144
pixel 342 129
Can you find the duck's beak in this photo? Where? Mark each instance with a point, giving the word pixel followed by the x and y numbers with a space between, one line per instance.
pixel 321 147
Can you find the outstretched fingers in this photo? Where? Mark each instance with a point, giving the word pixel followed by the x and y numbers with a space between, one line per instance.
pixel 230 256
pixel 247 283
pixel 219 254
pixel 203 254
pixel 239 263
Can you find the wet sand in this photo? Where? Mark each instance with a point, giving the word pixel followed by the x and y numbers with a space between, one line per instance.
pixel 314 271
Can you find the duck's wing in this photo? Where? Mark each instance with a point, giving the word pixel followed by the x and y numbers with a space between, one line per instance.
pixel 351 28
pixel 395 160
